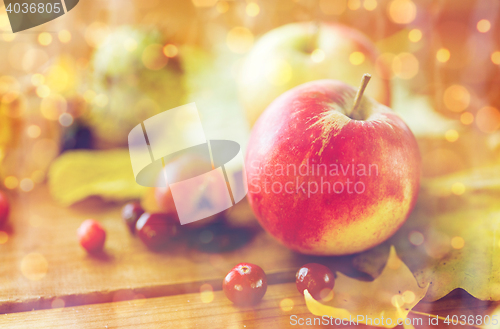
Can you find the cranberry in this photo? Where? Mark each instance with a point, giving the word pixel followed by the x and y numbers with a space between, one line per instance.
pixel 245 284
pixel 316 278
pixel 131 213
pixel 91 236
pixel 4 208
pixel 155 230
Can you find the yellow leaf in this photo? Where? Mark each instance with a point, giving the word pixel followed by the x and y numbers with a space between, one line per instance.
pixel 77 175
pixel 384 302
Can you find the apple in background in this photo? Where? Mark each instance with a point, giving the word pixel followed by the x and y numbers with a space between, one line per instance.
pixel 328 175
pixel 285 57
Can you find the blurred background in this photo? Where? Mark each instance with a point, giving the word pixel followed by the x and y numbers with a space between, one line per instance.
pixel 83 80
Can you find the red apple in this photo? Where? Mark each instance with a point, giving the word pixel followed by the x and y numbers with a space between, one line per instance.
pixel 328 177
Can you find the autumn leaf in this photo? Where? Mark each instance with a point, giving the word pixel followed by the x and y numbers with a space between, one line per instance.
pixel 452 238
pixel 77 175
pixel 384 302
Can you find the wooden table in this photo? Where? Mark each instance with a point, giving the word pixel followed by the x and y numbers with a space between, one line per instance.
pixel 47 280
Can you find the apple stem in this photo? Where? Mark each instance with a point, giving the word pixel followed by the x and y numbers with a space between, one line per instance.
pixel 313 42
pixel 357 101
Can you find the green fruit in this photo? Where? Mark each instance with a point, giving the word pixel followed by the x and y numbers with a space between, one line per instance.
pixel 128 89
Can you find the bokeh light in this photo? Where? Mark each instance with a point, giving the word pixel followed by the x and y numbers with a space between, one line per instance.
pixel 286 304
pixel 33 131
pixel 326 294
pixel 451 135
pixel 170 50
pixel 409 296
pixel 206 293
pixel 252 9
pixel 37 79
pixel 458 188
pixel 333 7
pixel 34 266
pixel 353 4
pixel 456 98
pixel 8 37
pixel 96 33
pixel 457 242
pixel 64 36
pixel 467 118
pixel 415 35
pixel 370 5
pixel 4 237
pixel 43 91
pixel 45 38
pixel 222 7
pixel 317 55
pixel 89 96
pixel 239 40
pixel 402 11
pixel 483 25
pixel 66 119
pixel 416 238
pixel 488 119
pixel 204 3
pixel 357 58
pixel 26 185
pixel 443 55
pixel 405 66
pixel 101 100
pixel 58 78
pixel 495 57
pixel 11 182
pixel 58 303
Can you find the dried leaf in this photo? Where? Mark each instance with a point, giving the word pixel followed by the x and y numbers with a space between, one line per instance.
pixel 386 301
pixel 450 241
pixel 77 175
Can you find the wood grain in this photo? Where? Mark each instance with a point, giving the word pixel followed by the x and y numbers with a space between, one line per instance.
pixel 40 226
pixel 188 311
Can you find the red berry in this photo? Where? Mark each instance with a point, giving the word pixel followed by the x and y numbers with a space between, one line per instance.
pixel 156 230
pixel 91 236
pixel 245 284
pixel 4 208
pixel 131 213
pixel 316 278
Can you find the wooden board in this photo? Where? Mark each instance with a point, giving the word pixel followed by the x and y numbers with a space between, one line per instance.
pixel 130 286
pixel 39 226
pixel 189 311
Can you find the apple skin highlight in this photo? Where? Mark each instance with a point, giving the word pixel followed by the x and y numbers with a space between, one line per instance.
pixel 307 126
